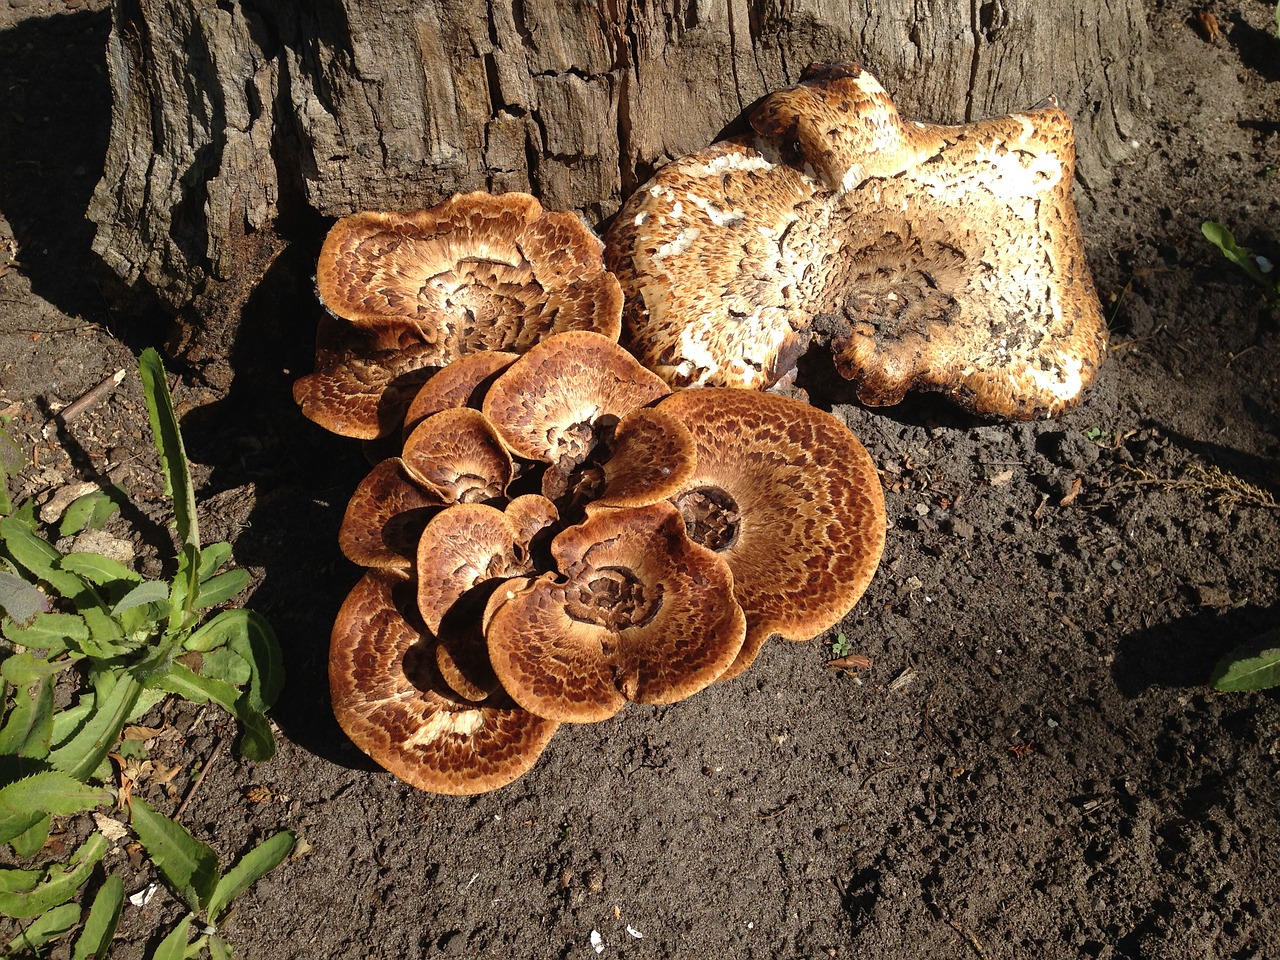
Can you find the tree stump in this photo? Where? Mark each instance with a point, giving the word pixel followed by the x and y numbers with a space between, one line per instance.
pixel 230 119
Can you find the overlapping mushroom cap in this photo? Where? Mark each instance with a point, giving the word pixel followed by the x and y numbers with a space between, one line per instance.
pixel 690 527
pixel 954 251
pixel 418 290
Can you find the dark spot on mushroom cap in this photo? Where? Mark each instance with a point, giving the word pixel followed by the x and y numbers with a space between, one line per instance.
pixel 810 520
pixel 393 706
pixel 639 613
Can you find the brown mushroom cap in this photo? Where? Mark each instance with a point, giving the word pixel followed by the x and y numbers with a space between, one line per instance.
pixel 389 700
pixel 458 455
pixel 460 384
pixel 469 544
pixel 789 498
pixel 385 517
pixel 642 614
pixel 954 250
pixel 546 405
pixel 653 458
pixel 419 290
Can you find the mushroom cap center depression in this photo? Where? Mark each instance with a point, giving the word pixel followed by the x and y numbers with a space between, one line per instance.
pixel 711 517
pixel 613 598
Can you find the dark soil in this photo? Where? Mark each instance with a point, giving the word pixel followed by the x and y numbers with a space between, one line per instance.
pixel 1034 766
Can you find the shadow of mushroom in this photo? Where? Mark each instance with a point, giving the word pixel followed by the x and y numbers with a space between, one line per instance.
pixel 954 251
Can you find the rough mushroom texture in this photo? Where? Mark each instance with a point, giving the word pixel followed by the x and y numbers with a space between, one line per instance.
pixel 458 456
pixel 418 290
pixel 954 251
pixel 547 404
pixel 385 517
pixel 789 498
pixel 462 383
pixel 389 699
pixel 639 612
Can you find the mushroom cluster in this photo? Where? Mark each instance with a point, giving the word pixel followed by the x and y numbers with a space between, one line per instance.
pixel 561 535
pixel 943 258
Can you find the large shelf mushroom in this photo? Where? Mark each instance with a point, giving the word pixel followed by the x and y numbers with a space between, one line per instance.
pixel 690 527
pixel 954 252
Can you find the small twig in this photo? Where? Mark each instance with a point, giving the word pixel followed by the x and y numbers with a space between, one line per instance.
pixel 191 792
pixel 965 932
pixel 94 395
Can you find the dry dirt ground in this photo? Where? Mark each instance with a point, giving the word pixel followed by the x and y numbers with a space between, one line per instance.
pixel 1034 767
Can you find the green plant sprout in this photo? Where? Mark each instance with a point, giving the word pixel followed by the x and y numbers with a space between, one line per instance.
pixel 1254 666
pixel 841 646
pixel 1259 269
pixel 122 644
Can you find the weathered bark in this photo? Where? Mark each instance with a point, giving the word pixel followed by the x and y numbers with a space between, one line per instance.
pixel 230 116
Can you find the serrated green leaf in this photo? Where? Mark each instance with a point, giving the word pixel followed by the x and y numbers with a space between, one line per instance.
pixel 254 865
pixel 50 926
pixel 105 635
pixel 19 599
pixel 60 883
pixel 25 668
pixel 190 866
pixel 1253 666
pixel 39 558
pixel 257 742
pixel 98 569
pixel 50 631
pixel 28 843
pixel 174 946
pixel 81 755
pixel 83 511
pixel 100 924
pixel 19 881
pixel 50 792
pixel 149 591
pixel 212 558
pixel 222 588
pixel 219 949
pixel 28 731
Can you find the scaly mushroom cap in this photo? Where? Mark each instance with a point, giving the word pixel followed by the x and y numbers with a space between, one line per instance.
pixel 955 251
pixel 388 698
pixel 460 384
pixel 385 517
pixel 547 404
pixel 468 545
pixel 789 498
pixel 643 614
pixel 457 455
pixel 477 272
pixel 653 458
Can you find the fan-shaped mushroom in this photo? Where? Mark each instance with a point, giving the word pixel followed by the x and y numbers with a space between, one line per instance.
pixel 955 251
pixel 641 613
pixel 460 384
pixel 388 698
pixel 458 455
pixel 385 517
pixel 478 272
pixel 790 499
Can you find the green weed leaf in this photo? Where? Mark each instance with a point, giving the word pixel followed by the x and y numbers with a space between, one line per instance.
pixel 50 926
pixel 219 949
pixel 248 634
pixel 190 866
pixel 28 731
pixel 1254 666
pixel 212 558
pixel 20 600
pixel 100 924
pixel 28 843
pixel 51 792
pixel 81 755
pixel 59 883
pixel 39 558
pixel 254 865
pixel 174 946
pixel 100 570
pixel 168 439
pixel 88 512
pixel 148 591
pixel 54 632
pixel 24 668
pixel 222 588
